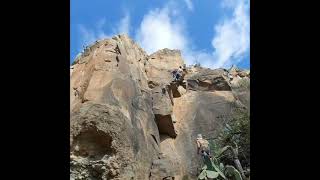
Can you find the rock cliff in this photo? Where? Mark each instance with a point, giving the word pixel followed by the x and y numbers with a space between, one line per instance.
pixel 130 121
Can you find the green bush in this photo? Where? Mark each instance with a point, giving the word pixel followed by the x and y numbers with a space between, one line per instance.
pixel 235 130
pixel 213 169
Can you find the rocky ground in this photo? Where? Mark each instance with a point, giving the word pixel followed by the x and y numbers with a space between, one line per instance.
pixel 123 123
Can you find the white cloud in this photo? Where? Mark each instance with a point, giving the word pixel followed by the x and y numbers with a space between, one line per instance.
pixel 90 35
pixel 232 37
pixel 229 3
pixel 161 29
pixel 165 28
pixel 124 25
pixel 189 4
pixel 101 22
pixel 157 31
pixel 87 36
pixel 100 34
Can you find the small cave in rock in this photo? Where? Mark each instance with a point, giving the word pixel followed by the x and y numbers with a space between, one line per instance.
pixel 165 125
pixel 175 91
pixel 93 144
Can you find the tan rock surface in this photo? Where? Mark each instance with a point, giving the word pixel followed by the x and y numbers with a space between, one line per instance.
pixel 123 123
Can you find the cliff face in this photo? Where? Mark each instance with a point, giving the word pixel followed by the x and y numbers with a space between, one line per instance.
pixel 123 123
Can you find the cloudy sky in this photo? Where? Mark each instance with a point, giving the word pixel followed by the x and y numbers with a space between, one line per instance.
pixel 215 33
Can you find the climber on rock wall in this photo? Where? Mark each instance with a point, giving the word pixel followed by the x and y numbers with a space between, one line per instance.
pixel 177 73
pixel 203 147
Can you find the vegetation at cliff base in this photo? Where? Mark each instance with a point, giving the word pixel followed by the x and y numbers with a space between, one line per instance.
pixel 231 148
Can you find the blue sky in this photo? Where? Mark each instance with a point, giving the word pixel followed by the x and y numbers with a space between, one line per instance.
pixel 215 33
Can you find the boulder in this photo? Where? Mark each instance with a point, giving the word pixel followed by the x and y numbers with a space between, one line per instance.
pixel 208 80
pixel 160 65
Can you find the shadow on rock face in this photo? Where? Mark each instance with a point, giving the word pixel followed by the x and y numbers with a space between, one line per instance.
pixel 165 125
pixel 92 143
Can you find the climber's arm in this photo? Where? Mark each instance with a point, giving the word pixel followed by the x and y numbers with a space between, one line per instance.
pixel 198 147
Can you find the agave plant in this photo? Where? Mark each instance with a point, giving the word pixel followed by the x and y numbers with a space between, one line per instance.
pixel 231 171
pixel 208 174
pixel 215 170
pixel 210 170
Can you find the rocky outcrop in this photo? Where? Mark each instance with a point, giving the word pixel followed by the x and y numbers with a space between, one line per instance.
pixel 235 71
pixel 111 108
pixel 130 121
pixel 160 65
pixel 208 80
pixel 241 89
